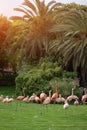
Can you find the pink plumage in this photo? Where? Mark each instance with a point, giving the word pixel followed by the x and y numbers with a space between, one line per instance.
pixel 48 99
pixel 20 97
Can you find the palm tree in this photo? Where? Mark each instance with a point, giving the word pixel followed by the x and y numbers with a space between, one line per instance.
pixel 39 19
pixel 73 46
pixel 4 26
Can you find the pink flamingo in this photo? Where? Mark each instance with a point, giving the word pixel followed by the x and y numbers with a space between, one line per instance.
pixel 60 99
pixel 20 97
pixel 55 95
pixel 37 99
pixel 72 96
pixel 5 99
pixel 10 100
pixel 84 98
pixel 48 99
pixel 32 98
pixel 1 97
pixel 23 94
pixel 26 99
pixel 43 96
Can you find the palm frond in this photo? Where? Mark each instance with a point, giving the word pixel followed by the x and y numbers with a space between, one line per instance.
pixel 28 11
pixel 30 5
pixel 51 3
pixel 53 7
pixel 21 10
pixel 16 18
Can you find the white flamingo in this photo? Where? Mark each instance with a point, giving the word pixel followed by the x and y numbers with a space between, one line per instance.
pixel 66 104
pixel 76 102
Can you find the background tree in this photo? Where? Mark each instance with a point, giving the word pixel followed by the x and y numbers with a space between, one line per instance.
pixel 73 46
pixel 39 19
pixel 15 34
pixel 4 26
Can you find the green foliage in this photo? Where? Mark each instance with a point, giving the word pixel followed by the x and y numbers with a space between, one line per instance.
pixel 35 36
pixel 65 87
pixel 4 26
pixel 79 92
pixel 67 74
pixel 37 78
pixel 72 45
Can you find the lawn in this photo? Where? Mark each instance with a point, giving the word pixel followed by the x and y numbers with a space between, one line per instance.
pixel 21 116
pixel 6 90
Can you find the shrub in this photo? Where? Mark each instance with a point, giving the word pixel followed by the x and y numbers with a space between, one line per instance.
pixel 38 78
pixel 67 74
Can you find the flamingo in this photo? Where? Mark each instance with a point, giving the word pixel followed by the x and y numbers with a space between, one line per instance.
pixel 26 99
pixel 32 98
pixel 76 102
pixel 66 104
pixel 23 94
pixel 5 99
pixel 85 91
pixel 20 97
pixel 55 95
pixel 84 98
pixel 10 100
pixel 43 96
pixel 72 96
pixel 1 97
pixel 48 99
pixel 37 99
pixel 23 91
pixel 60 99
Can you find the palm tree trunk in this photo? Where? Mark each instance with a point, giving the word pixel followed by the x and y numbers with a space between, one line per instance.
pixel 83 78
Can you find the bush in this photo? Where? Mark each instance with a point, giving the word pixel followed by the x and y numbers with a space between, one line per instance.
pixel 65 88
pixel 67 74
pixel 38 78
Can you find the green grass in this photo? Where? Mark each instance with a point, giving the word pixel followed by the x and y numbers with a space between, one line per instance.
pixel 6 90
pixel 22 116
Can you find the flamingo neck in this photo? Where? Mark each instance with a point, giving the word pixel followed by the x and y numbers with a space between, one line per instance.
pixel 50 94
pixel 72 91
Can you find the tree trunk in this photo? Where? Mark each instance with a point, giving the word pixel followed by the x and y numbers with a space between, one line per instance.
pixel 83 78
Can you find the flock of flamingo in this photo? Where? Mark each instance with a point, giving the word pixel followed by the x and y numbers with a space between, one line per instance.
pixel 51 98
